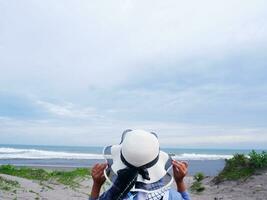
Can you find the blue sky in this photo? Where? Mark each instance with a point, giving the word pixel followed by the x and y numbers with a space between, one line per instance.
pixel 80 72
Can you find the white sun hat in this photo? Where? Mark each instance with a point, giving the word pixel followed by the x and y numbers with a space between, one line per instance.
pixel 140 149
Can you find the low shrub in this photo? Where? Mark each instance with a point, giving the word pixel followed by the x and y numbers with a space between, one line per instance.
pixel 258 160
pixel 199 176
pixel 242 166
pixel 197 185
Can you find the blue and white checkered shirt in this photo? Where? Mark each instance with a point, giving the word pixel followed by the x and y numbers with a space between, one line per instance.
pixel 170 194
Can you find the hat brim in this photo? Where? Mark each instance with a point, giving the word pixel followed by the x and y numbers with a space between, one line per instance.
pixel 160 175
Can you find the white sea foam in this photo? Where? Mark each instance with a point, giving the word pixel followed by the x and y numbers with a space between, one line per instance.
pixel 14 153
pixel 195 156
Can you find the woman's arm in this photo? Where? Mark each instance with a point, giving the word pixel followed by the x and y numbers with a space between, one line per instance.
pixel 179 172
pixel 98 180
pixel 95 192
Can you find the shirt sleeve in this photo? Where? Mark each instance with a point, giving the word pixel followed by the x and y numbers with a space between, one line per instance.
pixel 185 195
pixel 174 195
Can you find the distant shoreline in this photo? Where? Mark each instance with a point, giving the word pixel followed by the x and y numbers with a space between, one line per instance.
pixel 208 167
pixel 208 161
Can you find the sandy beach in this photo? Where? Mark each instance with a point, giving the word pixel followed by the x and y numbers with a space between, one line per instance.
pixel 253 188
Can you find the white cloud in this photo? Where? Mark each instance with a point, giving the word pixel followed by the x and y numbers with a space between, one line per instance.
pixel 69 110
pixel 74 45
pixel 109 131
pixel 147 64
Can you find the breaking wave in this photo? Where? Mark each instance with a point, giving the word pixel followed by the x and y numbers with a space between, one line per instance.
pixel 195 156
pixel 14 153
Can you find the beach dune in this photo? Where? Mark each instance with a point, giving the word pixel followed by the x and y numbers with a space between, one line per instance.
pixel 33 189
pixel 254 188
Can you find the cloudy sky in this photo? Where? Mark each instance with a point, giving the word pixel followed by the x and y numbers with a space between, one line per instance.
pixel 80 72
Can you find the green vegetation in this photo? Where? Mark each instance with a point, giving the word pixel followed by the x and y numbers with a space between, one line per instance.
pixel 197 184
pixel 34 174
pixel 242 166
pixel 199 176
pixel 69 178
pixel 8 185
pixel 258 160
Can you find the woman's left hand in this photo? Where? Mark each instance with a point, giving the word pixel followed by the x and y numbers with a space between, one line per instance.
pixel 98 174
pixel 180 170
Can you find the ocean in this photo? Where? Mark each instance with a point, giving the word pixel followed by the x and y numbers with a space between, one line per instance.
pixel 208 161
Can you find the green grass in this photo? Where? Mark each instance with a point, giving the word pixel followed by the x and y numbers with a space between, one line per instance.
pixel 8 185
pixel 29 173
pixel 242 166
pixel 69 178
